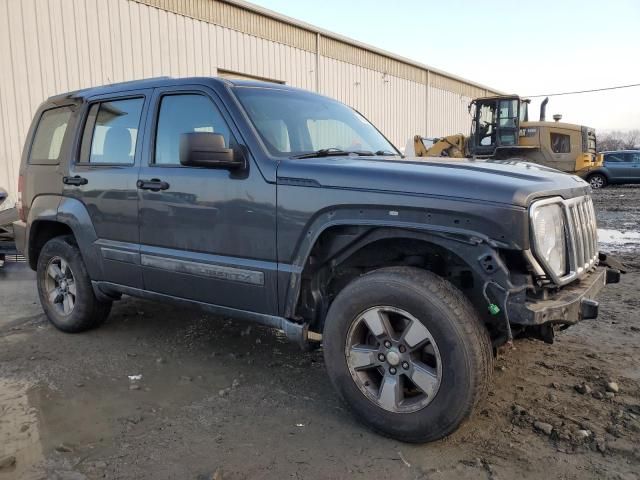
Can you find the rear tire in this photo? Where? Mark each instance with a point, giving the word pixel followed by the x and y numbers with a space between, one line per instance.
pixel 65 290
pixel 597 181
pixel 451 345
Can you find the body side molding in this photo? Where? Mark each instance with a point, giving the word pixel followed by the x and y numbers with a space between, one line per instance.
pixel 294 331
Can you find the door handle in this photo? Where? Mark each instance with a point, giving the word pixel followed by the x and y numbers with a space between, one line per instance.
pixel 155 185
pixel 77 180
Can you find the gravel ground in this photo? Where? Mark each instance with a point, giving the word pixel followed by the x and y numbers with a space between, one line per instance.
pixel 221 399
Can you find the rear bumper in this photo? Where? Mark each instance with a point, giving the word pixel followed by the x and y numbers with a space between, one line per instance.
pixel 20 235
pixel 7 217
pixel 569 305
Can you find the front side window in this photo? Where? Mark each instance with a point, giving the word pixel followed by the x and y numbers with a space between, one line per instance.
pixel 186 113
pixel 47 141
pixel 292 123
pixel 111 132
pixel 560 143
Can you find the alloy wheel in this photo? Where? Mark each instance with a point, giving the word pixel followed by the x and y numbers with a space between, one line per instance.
pixel 60 285
pixel 393 359
pixel 596 182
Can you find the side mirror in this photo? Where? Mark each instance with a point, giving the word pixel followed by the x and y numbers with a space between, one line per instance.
pixel 206 149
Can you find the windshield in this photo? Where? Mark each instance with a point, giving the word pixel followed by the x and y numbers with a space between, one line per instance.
pixel 293 123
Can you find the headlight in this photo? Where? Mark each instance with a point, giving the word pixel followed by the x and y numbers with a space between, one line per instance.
pixel 547 224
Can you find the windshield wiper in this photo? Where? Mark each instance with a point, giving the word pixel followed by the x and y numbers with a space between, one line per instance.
pixel 386 153
pixel 331 152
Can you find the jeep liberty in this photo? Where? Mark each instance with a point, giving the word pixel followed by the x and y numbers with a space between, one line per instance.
pixel 287 208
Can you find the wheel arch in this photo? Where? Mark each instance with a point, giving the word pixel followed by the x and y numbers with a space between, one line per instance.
pixel 43 230
pixel 600 171
pixel 341 252
pixel 56 216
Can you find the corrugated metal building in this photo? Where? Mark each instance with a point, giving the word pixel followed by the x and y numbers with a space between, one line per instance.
pixel 53 46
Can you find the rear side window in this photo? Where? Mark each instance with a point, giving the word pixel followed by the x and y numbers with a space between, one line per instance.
pixel 614 158
pixel 47 142
pixel 185 114
pixel 633 157
pixel 111 132
pixel 560 143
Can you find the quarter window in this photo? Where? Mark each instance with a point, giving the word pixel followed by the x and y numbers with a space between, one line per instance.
pixel 186 113
pixel 560 143
pixel 47 141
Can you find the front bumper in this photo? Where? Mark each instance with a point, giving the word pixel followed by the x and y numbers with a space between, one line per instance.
pixel 569 305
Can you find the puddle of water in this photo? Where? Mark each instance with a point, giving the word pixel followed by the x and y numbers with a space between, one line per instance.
pixel 628 240
pixel 19 434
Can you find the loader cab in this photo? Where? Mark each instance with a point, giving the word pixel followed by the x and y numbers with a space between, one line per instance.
pixel 495 123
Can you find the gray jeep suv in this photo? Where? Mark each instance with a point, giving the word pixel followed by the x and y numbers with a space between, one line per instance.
pixel 287 208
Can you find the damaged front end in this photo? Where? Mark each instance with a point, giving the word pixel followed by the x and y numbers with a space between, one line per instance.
pixel 565 272
pixel 537 312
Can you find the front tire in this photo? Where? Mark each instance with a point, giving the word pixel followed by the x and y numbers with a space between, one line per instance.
pixel 65 290
pixel 407 352
pixel 597 181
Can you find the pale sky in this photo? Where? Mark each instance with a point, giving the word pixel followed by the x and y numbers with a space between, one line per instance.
pixel 528 48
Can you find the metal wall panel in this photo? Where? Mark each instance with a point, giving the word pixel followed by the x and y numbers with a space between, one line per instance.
pixel 240 19
pixel 449 84
pixel 355 55
pixel 395 105
pixel 53 46
pixel 448 113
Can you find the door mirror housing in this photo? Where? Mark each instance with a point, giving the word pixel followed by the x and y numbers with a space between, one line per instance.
pixel 207 149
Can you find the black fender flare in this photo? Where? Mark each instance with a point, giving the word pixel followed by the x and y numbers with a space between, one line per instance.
pixel 476 250
pixel 73 213
pixel 43 208
pixel 601 171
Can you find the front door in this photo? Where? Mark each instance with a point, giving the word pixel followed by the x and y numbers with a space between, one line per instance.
pixel 206 234
pixel 633 162
pixel 103 177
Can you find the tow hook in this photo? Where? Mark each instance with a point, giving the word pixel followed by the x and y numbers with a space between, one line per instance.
pixel 588 309
pixel 613 276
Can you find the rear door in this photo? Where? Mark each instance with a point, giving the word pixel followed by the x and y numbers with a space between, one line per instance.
pixel 206 234
pixel 103 177
pixel 620 167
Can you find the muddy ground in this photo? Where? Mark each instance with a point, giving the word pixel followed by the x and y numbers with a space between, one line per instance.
pixel 220 400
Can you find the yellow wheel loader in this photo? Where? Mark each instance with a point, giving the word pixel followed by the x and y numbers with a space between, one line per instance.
pixel 500 129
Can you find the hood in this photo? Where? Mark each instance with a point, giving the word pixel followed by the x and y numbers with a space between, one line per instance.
pixel 509 182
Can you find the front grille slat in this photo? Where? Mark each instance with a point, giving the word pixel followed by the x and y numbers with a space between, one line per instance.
pixel 584 233
pixel 583 236
pixel 588 232
pixel 578 239
pixel 594 229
